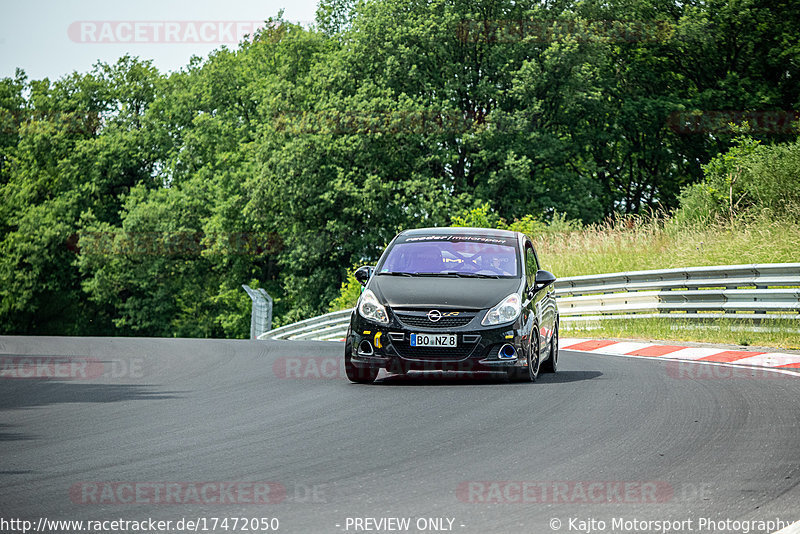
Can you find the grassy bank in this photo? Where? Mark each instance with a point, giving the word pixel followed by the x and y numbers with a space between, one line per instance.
pixel 634 244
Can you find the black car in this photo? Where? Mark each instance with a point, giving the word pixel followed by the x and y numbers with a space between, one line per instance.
pixel 461 299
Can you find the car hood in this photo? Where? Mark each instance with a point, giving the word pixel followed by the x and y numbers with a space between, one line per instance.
pixel 442 292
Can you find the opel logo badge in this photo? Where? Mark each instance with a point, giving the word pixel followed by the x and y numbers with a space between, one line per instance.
pixel 434 315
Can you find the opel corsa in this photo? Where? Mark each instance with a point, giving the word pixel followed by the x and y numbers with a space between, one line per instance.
pixel 454 299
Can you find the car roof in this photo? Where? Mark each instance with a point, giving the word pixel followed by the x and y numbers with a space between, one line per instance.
pixel 460 230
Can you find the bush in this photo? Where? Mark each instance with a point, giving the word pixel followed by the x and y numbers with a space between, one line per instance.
pixel 774 178
pixel 348 293
pixel 480 217
pixel 534 226
pixel 748 179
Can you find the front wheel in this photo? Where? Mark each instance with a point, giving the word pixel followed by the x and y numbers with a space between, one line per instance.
pixel 533 357
pixel 531 372
pixel 359 375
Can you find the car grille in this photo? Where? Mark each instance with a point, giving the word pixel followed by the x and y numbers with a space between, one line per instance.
pixel 433 353
pixel 420 319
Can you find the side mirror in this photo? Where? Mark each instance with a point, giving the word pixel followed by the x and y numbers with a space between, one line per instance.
pixel 542 280
pixel 362 274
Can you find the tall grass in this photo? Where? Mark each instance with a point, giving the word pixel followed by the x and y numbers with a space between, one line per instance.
pixel 655 242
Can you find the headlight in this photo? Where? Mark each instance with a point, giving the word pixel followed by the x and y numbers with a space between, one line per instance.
pixel 505 312
pixel 370 308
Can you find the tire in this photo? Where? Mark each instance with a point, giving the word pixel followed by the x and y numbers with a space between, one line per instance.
pixel 534 361
pixel 359 375
pixel 531 372
pixel 551 364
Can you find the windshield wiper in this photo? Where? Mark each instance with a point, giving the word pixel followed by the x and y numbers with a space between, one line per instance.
pixel 459 274
pixel 396 273
pixel 477 275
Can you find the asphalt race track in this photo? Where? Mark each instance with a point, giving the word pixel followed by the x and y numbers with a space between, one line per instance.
pixel 606 437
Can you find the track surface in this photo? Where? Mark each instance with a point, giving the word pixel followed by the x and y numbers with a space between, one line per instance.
pixel 207 410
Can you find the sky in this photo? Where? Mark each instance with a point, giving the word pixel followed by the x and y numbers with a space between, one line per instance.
pixel 52 38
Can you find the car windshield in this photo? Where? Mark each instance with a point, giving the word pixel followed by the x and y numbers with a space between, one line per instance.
pixel 461 255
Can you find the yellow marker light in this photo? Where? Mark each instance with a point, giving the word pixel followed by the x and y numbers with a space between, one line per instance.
pixel 367 332
pixel 510 336
pixel 378 340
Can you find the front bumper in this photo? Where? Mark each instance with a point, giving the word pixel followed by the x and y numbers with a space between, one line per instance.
pixel 478 347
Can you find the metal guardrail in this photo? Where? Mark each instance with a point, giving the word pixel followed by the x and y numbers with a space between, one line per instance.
pixel 752 292
pixel 329 327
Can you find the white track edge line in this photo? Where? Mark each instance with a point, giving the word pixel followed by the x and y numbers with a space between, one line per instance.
pixel 719 364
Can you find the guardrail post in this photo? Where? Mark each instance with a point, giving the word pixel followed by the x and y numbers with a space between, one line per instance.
pixel 261 311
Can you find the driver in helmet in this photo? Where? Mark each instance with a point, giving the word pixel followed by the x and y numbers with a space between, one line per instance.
pixel 496 265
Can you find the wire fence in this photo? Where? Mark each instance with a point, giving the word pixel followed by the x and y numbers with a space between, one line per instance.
pixel 261 312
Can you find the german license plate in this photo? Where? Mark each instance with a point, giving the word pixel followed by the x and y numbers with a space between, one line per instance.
pixel 434 340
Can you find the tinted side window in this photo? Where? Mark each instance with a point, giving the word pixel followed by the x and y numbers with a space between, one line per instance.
pixel 531 265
